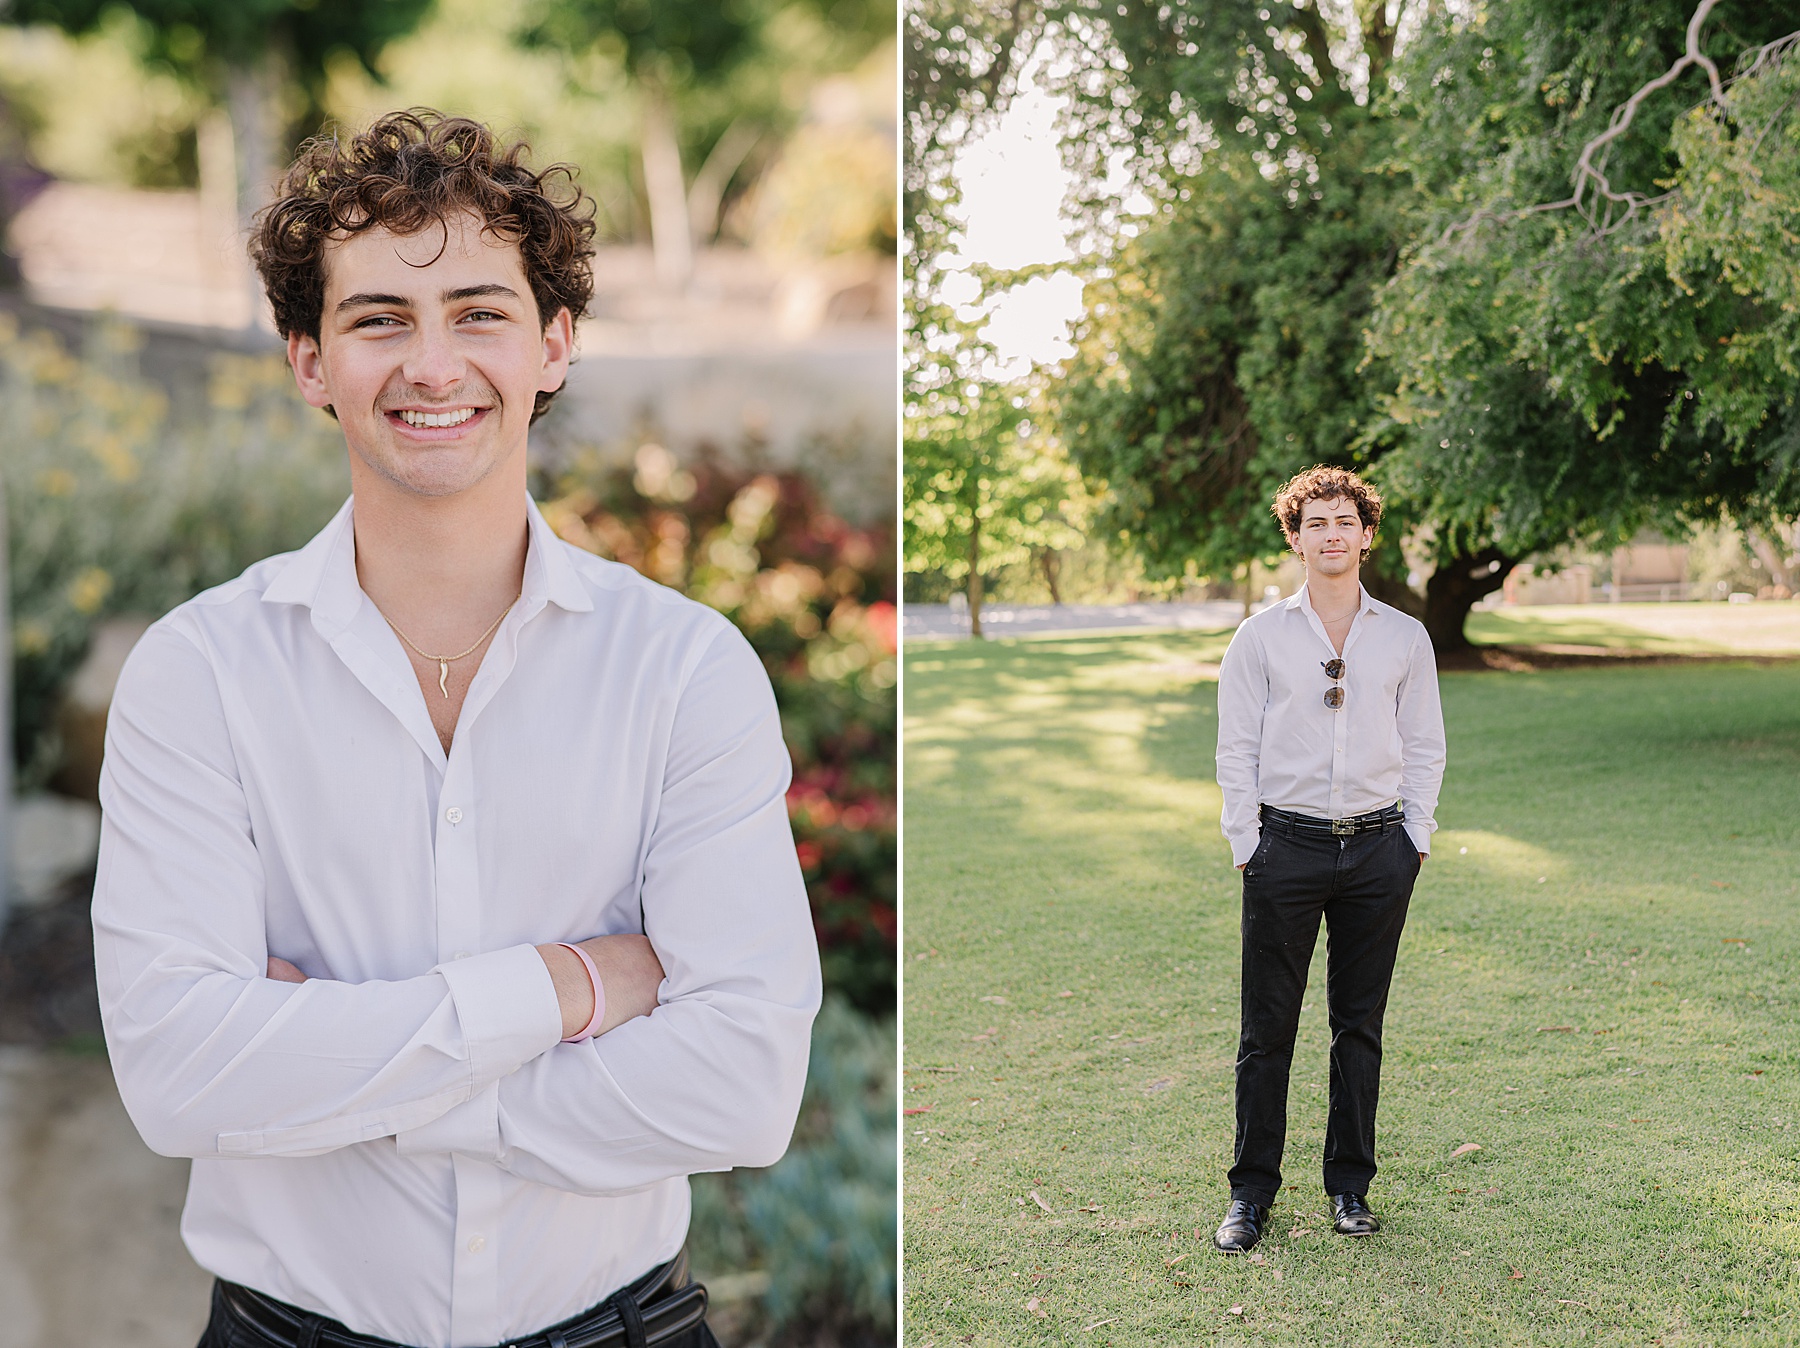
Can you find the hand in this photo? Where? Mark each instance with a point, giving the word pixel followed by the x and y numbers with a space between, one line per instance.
pixel 630 974
pixel 283 972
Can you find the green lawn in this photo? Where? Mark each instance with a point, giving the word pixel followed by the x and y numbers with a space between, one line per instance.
pixel 1598 992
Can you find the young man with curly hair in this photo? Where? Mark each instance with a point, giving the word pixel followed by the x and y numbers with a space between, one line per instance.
pixel 1331 750
pixel 448 914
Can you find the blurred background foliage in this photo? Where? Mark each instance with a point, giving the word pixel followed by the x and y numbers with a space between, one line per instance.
pixel 800 117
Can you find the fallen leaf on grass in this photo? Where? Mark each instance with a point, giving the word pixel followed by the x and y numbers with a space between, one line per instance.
pixel 1733 940
pixel 1091 1207
pixel 1038 1198
pixel 1256 1257
pixel 1036 1309
pixel 1556 1029
pixel 1515 1276
pixel 1563 1301
pixel 1465 1149
pixel 917 1109
pixel 1088 1329
pixel 1235 1310
pixel 1758 1072
pixel 1300 1231
pixel 1070 994
pixel 1170 1263
pixel 997 1001
pixel 1276 1274
pixel 1160 1084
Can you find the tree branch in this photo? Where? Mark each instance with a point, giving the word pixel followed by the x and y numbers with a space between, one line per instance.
pixel 1593 196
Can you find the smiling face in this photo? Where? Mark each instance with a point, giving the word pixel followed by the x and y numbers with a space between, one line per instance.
pixel 1332 537
pixel 431 353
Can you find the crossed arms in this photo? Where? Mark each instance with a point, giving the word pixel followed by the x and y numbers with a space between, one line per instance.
pixel 701 1062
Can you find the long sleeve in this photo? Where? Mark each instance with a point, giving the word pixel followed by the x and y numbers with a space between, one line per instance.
pixel 211 1057
pixel 1419 717
pixel 1243 702
pixel 712 1079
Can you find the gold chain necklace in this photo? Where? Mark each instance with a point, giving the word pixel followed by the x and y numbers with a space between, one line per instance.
pixel 445 661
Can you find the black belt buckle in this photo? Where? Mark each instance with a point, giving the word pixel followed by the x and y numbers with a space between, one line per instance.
pixel 1343 828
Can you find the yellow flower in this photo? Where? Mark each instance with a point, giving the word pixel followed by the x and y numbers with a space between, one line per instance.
pixel 57 482
pixel 89 590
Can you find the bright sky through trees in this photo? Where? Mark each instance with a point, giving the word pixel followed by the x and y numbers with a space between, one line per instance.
pixel 1013 184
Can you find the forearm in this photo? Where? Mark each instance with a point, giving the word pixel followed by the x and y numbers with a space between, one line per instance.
pixel 703 1084
pixel 1243 695
pixel 222 1064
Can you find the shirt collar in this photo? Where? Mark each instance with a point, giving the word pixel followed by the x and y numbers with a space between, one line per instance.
pixel 322 575
pixel 1367 604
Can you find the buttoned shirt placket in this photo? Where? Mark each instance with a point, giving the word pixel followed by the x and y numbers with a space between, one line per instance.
pixel 370 651
pixel 1340 724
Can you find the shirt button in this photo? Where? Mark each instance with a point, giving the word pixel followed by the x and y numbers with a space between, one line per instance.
pixel 453 814
pixel 478 1244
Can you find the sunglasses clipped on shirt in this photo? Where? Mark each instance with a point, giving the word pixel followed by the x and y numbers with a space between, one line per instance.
pixel 1334 670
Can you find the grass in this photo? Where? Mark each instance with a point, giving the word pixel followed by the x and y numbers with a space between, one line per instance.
pixel 1688 629
pixel 1598 992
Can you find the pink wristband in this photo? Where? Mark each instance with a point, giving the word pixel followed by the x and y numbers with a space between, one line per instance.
pixel 592 1028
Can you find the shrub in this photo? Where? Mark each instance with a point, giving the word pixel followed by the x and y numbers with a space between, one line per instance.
pixel 820 1222
pixel 113 507
pixel 815 596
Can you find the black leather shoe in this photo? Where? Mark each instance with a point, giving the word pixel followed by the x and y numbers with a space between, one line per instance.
pixel 1242 1227
pixel 1350 1216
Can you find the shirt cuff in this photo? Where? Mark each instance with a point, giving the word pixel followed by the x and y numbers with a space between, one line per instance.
pixel 471 1129
pixel 1420 834
pixel 506 1005
pixel 1243 846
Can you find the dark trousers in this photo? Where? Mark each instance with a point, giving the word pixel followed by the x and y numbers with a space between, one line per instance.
pixel 1360 885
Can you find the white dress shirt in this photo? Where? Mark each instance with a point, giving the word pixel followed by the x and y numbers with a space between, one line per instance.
pixel 403 1143
pixel 1280 745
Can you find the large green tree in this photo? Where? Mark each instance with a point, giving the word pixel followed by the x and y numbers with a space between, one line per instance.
pixel 1532 378
pixel 1572 355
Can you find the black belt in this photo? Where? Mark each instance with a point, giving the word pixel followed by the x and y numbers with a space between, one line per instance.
pixel 659 1307
pixel 1378 821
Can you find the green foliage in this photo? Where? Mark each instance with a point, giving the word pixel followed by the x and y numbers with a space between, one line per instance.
pixel 984 484
pixel 197 36
pixel 816 599
pixel 820 1223
pixel 674 40
pixel 1558 375
pixel 824 1215
pixel 1728 233
pixel 112 507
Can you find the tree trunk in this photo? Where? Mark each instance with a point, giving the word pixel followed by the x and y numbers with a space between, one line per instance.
pixel 975 576
pixel 1052 565
pixel 250 92
pixel 1455 588
pixel 715 175
pixel 671 236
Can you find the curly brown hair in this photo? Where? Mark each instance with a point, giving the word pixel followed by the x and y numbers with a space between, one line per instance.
pixel 407 172
pixel 1326 484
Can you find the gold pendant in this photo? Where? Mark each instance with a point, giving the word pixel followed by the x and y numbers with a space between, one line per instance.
pixel 444 678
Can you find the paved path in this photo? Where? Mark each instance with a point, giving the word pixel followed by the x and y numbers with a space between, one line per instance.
pixel 933 621
pixel 90 1252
